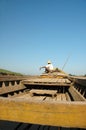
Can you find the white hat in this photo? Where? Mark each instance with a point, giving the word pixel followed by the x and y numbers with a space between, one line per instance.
pixel 49 62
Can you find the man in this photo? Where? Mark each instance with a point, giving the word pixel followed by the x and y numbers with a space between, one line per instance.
pixel 48 67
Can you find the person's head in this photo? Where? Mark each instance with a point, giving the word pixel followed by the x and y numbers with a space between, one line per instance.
pixel 49 62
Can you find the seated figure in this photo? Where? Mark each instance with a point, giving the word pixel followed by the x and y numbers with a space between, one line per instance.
pixel 49 68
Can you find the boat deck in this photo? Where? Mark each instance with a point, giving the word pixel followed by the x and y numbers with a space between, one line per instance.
pixel 60 101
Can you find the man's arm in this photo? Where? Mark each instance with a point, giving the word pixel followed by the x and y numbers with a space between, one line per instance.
pixel 42 67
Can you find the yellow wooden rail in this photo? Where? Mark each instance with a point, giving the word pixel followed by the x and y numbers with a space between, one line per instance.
pixel 65 114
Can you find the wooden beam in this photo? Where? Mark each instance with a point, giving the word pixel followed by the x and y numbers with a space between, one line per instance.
pixel 67 96
pixel 64 114
pixel 52 93
pixel 75 94
pixel 47 81
pixel 78 79
pixel 6 90
pixel 45 84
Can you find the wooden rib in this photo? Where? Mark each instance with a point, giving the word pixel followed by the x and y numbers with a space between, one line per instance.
pixel 76 95
pixel 63 97
pixel 4 90
pixel 58 97
pixel 67 97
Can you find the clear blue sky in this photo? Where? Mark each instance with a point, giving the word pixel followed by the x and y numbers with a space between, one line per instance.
pixel 35 31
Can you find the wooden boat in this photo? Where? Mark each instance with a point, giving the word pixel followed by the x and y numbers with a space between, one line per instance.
pixel 54 99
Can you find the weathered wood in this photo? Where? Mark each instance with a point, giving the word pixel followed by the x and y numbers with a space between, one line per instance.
pixel 63 97
pixel 28 97
pixel 67 97
pixel 43 92
pixel 78 79
pixel 75 94
pixel 44 110
pixel 65 114
pixel 59 97
pixel 4 90
pixel 12 78
pixel 46 84
pixel 47 81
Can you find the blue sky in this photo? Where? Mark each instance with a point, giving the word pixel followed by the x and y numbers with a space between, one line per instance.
pixel 35 31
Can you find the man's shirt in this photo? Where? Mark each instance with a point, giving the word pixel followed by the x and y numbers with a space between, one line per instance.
pixel 49 66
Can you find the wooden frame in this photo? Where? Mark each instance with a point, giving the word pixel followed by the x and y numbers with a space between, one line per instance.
pixel 64 114
pixel 75 94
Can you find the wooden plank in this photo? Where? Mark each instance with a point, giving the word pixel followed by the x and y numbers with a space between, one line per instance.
pixel 67 81
pixel 4 90
pixel 27 96
pixel 64 114
pixel 63 97
pixel 76 95
pixel 78 79
pixel 42 92
pixel 58 97
pixel 12 78
pixel 46 83
pixel 67 97
pixel 50 99
pixel 37 98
